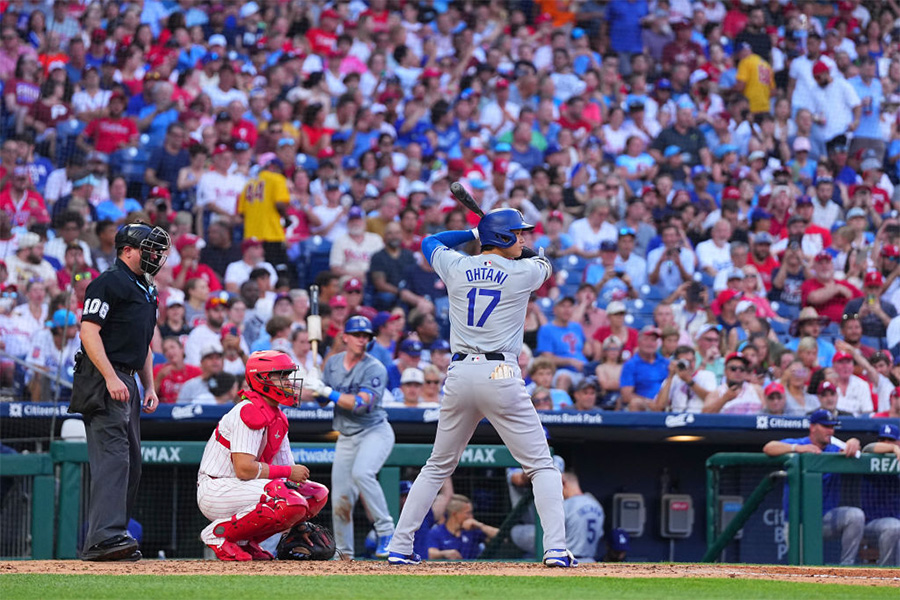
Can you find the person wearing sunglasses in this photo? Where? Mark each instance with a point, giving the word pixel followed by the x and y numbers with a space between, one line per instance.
pixel 735 395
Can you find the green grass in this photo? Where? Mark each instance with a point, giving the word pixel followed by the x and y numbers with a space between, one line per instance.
pixel 436 587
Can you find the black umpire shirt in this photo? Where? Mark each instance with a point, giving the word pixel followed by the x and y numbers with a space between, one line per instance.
pixel 124 306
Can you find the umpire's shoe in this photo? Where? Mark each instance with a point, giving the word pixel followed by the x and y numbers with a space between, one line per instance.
pixel 395 558
pixel 120 547
pixel 559 558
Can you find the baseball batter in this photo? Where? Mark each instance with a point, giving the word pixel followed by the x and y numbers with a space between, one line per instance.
pixel 248 484
pixel 488 296
pixel 355 380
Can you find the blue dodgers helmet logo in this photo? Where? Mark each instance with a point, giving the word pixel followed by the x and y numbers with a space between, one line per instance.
pixel 376 381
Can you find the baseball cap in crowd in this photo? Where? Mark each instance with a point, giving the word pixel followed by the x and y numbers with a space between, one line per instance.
pixel 823 256
pixel 221 149
pixel 174 299
pixel 891 432
pixel 756 155
pixel 552 149
pixel 802 144
pixel 440 345
pixel 158 191
pixel 217 299
pixel 608 246
pixel 744 305
pixel 870 164
pixel 774 388
pixel 890 251
pixel 249 9
pixel 822 416
pixel 698 171
pixel 626 230
pixel 412 375
pixel 819 68
pixel 736 356
pixel 587 382
pixel 381 319
pixel 615 308
pixel 651 330
pixel 86 180
pixel 221 383
pixel 556 215
pixel 731 193
pixel 250 242
pixel 839 356
pixel 211 348
pixel 873 279
pixel 826 387
pixel 28 240
pixel 62 318
pixel 217 39
pixel 188 239
pixel 804 200
pixel 353 285
pixel 411 347
pixel 405 486
pixel 698 76
pixel 355 212
pixel 763 237
pixel 338 302
pixel 477 182
pixel 671 151
pixel 856 212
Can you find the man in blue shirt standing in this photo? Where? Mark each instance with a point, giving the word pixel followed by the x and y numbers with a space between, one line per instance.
pixel 644 373
pixel 461 536
pixel 871 95
pixel 624 18
pixel 844 522
pixel 880 500
pixel 562 342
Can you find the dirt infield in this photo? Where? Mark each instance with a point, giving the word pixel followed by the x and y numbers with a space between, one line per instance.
pixel 851 576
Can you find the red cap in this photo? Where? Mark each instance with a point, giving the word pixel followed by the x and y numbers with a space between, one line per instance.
pixel 873 279
pixel 326 152
pixel 556 214
pixel 731 193
pixel 823 256
pixel 895 392
pixel 353 284
pixel 502 83
pixel 431 72
pixel 330 14
pixel 98 35
pixel 819 68
pixel 726 296
pixel 158 191
pixel 773 388
pixel 221 149
pixel 826 386
pixel 187 239
pixel 648 189
pixel 501 165
pixel 860 186
pixel 337 301
pixel 736 356
pixel 217 299
pixel 890 250
pixel 839 356
pixel 250 243
pixel 118 96
pixel 543 18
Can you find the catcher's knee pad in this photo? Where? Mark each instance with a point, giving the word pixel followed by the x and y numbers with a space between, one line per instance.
pixel 280 509
pixel 316 496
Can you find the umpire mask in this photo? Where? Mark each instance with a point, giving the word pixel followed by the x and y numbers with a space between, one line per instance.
pixel 153 244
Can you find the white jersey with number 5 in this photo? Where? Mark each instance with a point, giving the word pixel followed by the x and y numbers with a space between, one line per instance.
pixel 488 298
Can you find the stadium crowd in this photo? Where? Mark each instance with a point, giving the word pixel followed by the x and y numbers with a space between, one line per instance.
pixel 716 183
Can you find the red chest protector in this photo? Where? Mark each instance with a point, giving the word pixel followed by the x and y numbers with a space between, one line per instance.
pixel 260 414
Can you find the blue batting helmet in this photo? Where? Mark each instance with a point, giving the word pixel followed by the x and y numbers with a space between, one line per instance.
pixel 496 228
pixel 357 324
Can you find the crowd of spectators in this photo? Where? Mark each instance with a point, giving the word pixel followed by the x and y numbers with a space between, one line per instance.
pixel 715 181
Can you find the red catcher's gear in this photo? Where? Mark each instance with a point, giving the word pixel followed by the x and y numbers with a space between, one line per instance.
pixel 281 508
pixel 261 372
pixel 260 414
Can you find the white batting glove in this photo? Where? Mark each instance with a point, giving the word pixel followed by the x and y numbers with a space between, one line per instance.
pixel 317 386
pixel 474 231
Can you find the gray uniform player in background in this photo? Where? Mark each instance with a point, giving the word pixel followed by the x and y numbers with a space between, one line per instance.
pixel 355 380
pixel 488 296
pixel 584 519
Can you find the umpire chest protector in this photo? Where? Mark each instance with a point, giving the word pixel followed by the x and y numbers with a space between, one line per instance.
pixel 124 305
pixel 260 414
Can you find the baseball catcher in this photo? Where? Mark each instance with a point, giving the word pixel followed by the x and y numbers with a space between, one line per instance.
pixel 248 484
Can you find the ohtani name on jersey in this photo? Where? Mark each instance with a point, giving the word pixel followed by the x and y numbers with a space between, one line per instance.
pixel 486 274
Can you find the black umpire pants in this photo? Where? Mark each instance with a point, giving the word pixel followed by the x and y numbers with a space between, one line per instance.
pixel 114 452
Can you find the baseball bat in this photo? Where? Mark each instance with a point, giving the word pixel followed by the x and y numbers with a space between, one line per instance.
pixel 465 198
pixel 313 320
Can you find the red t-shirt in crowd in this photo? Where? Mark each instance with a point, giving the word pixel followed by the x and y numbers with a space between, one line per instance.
pixel 629 346
pixel 833 308
pixel 108 134
pixel 321 41
pixel 764 268
pixel 24 208
pixel 171 384
pixel 203 272
pixel 50 115
pixel 245 131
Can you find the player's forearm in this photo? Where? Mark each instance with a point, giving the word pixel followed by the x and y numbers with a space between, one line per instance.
pixel 776 448
pixel 147 371
pixel 93 345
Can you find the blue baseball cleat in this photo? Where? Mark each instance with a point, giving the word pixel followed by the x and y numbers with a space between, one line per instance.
pixel 381 551
pixel 395 558
pixel 559 558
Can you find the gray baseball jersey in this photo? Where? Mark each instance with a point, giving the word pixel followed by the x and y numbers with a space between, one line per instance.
pixel 369 375
pixel 488 298
pixel 584 525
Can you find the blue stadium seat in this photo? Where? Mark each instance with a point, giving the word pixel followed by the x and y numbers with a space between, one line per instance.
pixel 873 342
pixel 779 327
pixel 546 306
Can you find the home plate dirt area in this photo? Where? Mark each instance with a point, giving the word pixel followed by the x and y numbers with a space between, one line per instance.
pixel 846 576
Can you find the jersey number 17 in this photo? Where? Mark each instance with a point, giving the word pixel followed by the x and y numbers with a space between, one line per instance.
pixel 494 295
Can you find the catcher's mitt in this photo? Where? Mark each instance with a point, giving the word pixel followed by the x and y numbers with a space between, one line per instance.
pixel 306 541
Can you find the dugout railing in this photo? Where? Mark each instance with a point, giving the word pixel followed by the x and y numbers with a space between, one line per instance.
pixel 58 492
pixel 754 484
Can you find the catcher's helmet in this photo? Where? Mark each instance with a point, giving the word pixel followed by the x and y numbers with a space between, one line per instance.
pixel 262 370
pixel 357 324
pixel 152 242
pixel 498 226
